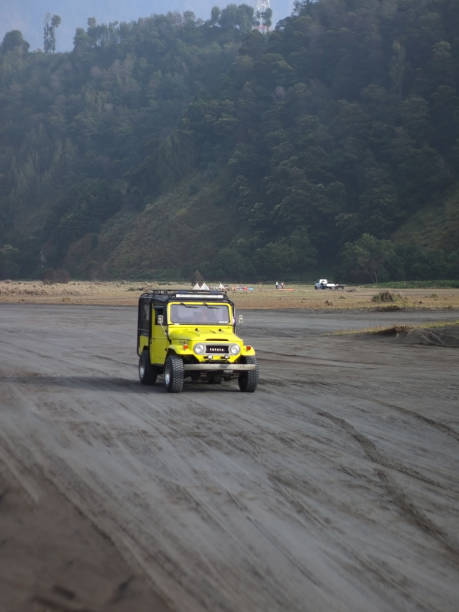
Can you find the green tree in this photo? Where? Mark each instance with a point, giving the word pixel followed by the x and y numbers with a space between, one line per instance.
pixel 237 17
pixel 267 19
pixel 49 33
pixel 368 260
pixel 13 41
pixel 215 15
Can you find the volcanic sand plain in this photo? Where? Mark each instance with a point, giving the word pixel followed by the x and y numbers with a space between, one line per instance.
pixel 333 487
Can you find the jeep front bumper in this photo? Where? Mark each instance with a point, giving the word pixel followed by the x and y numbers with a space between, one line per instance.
pixel 219 367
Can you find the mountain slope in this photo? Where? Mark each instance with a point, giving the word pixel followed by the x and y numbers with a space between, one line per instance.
pixel 170 144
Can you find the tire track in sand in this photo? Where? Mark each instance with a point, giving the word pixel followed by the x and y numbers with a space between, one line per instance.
pixel 406 506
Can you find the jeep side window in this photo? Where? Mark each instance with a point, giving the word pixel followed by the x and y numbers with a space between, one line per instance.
pixel 158 312
pixel 145 318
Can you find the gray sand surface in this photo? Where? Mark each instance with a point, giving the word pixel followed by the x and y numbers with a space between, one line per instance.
pixel 334 487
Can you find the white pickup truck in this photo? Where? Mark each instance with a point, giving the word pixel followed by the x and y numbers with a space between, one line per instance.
pixel 323 283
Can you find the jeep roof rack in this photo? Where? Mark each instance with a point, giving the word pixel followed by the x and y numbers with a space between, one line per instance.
pixel 163 295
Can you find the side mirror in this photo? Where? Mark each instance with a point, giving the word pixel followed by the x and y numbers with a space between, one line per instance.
pixel 240 319
pixel 160 320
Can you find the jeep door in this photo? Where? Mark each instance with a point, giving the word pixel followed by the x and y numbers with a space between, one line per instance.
pixel 159 339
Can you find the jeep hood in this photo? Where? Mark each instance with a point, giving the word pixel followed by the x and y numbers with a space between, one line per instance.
pixel 194 333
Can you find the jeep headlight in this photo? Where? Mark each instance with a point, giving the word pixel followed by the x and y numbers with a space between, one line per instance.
pixel 234 349
pixel 199 348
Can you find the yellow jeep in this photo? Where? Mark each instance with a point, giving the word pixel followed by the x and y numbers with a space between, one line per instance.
pixel 191 333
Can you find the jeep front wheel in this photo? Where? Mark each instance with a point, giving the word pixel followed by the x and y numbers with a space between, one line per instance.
pixel 174 374
pixel 248 380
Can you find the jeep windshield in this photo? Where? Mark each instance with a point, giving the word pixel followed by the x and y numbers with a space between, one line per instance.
pixel 204 314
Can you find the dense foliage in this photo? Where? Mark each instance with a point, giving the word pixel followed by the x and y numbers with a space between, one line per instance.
pixel 169 144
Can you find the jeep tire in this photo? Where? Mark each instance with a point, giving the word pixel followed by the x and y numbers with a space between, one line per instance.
pixel 147 372
pixel 173 374
pixel 248 380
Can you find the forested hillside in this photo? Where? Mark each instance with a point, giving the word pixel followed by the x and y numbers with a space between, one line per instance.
pixel 170 144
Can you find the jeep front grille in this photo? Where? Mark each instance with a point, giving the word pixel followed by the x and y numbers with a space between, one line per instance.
pixel 216 348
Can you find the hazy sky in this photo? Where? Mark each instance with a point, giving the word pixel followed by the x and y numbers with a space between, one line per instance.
pixel 28 16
